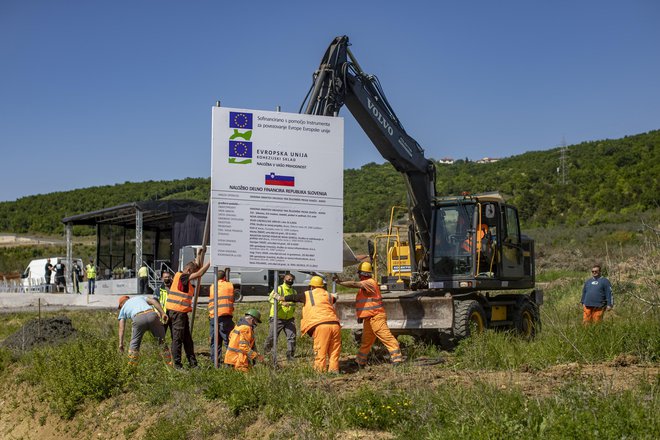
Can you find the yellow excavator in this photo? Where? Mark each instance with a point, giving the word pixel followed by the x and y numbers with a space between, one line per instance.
pixel 459 264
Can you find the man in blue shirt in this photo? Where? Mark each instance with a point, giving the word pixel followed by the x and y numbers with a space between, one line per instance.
pixel 146 314
pixel 596 297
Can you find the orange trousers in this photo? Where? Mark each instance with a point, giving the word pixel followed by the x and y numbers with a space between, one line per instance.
pixel 376 327
pixel 592 314
pixel 327 347
pixel 241 362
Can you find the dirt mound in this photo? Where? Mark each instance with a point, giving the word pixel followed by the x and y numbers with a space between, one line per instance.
pixel 36 332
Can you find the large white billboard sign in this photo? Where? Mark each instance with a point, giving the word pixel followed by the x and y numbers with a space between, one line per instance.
pixel 276 190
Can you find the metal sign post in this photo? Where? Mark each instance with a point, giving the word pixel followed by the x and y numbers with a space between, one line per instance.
pixel 274 327
pixel 215 317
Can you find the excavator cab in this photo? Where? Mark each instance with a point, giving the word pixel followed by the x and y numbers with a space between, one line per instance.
pixel 477 244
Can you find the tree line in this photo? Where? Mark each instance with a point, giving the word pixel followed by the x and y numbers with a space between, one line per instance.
pixel 603 179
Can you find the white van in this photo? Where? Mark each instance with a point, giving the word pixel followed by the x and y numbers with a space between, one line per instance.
pixel 34 276
pixel 246 281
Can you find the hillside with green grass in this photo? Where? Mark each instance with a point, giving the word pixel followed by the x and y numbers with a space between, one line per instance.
pixel 606 181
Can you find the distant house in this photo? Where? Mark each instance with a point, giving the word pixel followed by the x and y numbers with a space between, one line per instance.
pixel 487 160
pixel 446 160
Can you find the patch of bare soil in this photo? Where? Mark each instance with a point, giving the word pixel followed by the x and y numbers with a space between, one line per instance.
pixel 623 373
pixel 40 331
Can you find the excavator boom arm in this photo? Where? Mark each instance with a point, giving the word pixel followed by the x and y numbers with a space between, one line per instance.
pixel 340 81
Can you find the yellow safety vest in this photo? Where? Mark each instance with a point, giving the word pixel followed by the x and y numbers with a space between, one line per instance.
pixel 91 271
pixel 162 298
pixel 283 312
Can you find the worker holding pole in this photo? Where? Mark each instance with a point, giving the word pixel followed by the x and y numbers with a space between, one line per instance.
pixel 370 311
pixel 223 305
pixel 179 304
pixel 320 321
pixel 286 321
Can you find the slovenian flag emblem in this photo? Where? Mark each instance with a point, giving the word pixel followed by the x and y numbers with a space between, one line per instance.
pixel 274 179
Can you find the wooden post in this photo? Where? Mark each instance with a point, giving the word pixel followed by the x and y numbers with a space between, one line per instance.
pixel 216 332
pixel 39 319
pixel 200 262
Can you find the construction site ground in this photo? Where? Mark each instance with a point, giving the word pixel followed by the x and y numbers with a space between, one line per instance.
pixel 24 415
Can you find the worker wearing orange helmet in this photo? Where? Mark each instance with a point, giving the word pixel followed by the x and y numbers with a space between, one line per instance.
pixel 240 351
pixel 320 321
pixel 370 311
pixel 147 315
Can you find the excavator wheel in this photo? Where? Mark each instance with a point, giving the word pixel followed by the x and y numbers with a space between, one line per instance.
pixel 526 320
pixel 469 318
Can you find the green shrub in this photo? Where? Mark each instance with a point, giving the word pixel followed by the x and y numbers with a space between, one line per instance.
pixel 167 429
pixel 69 374
pixel 6 358
pixel 371 409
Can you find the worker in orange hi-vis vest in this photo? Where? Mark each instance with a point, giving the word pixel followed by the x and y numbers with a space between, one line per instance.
pixel 320 321
pixel 482 234
pixel 369 310
pixel 240 352
pixel 179 303
pixel 225 314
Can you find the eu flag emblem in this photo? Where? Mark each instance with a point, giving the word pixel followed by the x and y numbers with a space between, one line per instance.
pixel 240 120
pixel 240 152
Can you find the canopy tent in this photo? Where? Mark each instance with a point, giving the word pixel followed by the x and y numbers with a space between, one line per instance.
pixel 150 231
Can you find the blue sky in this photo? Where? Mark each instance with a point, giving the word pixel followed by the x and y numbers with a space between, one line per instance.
pixel 103 92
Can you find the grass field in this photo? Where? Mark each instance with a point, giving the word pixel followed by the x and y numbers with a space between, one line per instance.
pixel 571 381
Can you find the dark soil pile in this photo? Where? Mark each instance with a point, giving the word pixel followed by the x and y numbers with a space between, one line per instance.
pixel 35 332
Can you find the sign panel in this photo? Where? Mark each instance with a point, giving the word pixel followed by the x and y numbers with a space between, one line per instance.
pixel 277 190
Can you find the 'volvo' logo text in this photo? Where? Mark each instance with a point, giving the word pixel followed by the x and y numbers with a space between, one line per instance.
pixel 380 117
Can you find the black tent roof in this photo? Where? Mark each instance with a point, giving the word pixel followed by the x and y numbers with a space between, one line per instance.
pixel 155 213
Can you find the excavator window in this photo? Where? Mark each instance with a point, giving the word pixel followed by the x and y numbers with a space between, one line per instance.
pixel 452 228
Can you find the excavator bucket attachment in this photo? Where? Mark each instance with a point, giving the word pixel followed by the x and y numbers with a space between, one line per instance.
pixel 407 312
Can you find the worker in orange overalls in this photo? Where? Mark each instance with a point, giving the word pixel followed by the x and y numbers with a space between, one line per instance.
pixel 241 342
pixel 320 321
pixel 369 310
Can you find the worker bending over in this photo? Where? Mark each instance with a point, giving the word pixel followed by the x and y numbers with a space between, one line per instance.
pixel 240 351
pixel 320 321
pixel 369 310
pixel 147 315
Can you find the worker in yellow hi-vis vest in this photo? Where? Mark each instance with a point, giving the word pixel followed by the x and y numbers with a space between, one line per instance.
pixel 143 279
pixel 90 271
